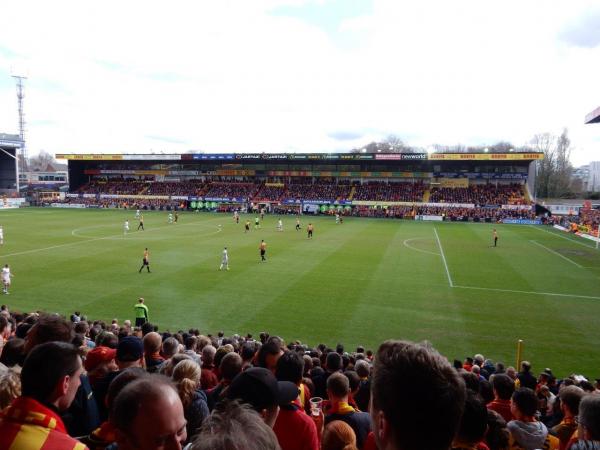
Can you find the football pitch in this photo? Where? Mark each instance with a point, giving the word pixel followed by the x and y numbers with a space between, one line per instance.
pixel 358 283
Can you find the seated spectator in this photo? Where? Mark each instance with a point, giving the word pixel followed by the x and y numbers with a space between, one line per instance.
pixel 525 430
pixel 589 424
pixel 152 343
pixel 414 391
pixel 473 424
pixel 503 387
pixel 570 397
pixel 338 435
pixel 235 426
pixel 50 379
pixel 294 429
pixel 338 389
pixel 186 376
pixel 260 389
pixel 148 414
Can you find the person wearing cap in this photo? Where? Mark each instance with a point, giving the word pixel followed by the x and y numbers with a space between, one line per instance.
pixel 295 430
pixel 99 362
pixel 130 353
pixel 259 388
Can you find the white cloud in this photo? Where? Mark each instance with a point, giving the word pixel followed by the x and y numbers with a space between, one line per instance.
pixel 229 76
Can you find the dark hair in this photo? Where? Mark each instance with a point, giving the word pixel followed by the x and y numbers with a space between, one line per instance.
pixel 230 366
pixel 353 379
pixel 12 353
pixel 589 415
pixel 147 327
pixel 107 339
pixel 471 380
pixel 248 351
pixel 526 401
pixel 190 342
pixel 339 349
pixel 290 367
pixel 486 391
pixel 271 347
pixel 338 384
pixel 497 436
pixel 333 361
pixel 418 391
pixel 503 385
pixel 571 396
pixel 44 367
pixel 49 328
pixel 473 424
pixel 3 323
pixel 120 381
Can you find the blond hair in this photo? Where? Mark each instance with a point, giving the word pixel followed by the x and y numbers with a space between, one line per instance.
pixel 10 387
pixel 338 435
pixel 186 375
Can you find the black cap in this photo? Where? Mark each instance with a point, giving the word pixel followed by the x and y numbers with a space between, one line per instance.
pixel 259 387
pixel 130 348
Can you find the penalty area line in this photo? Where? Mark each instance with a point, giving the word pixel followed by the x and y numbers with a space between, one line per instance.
pixel 443 257
pixel 553 294
pixel 556 253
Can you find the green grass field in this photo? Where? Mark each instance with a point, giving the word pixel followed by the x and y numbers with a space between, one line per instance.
pixel 358 283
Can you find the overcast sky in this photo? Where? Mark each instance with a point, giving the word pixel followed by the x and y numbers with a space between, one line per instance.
pixel 299 75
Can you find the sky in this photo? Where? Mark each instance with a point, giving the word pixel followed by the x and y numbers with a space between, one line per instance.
pixel 298 75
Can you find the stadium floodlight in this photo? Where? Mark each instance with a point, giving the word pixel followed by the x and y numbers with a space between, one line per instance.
pixel 486 150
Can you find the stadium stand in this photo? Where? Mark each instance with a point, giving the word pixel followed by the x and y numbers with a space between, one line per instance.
pixel 268 384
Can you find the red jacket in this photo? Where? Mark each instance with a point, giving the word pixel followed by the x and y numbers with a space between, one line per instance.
pixel 295 430
pixel 28 425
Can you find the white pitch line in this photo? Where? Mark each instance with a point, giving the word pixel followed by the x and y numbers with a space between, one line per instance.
pixel 443 257
pixel 557 254
pixel 561 236
pixel 553 294
pixel 406 241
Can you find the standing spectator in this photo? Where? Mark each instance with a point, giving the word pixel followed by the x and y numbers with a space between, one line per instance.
pixel 148 414
pixel 570 397
pixel 503 387
pixel 229 368
pixel 417 398
pixel 208 378
pixel 152 343
pixel 473 424
pixel 589 424
pixel 338 389
pixel 525 377
pixel 525 430
pixel 186 376
pixel 338 435
pixel 333 364
pixel 50 379
pixel 363 396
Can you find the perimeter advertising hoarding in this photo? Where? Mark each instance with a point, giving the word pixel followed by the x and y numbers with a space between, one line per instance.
pixel 486 156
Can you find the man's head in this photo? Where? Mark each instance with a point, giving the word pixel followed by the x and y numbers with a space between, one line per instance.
pixel 570 397
pixel 290 367
pixel 49 328
pixel 230 366
pixel 269 353
pixel 338 387
pixel 503 386
pixel 208 354
pixel 259 388
pixel 148 414
pixel 130 352
pixel 333 362
pixel 141 300
pixel 473 424
pixel 170 347
pixel 51 374
pixel 414 390
pixel 524 403
pixel 101 360
pixel 232 422
pixel 589 417
pixel 152 342
pixel 362 368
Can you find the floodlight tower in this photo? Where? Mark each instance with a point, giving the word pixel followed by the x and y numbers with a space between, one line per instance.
pixel 19 79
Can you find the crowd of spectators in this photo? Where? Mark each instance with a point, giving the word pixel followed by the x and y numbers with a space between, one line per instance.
pixel 230 190
pixel 591 218
pixel 321 190
pixel 395 192
pixel 480 194
pixel 67 384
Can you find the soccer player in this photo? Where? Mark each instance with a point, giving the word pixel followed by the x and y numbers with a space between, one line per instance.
pixel 176 216
pixel 263 250
pixel 141 225
pixel 337 218
pixel 6 276
pixel 170 219
pixel 146 261
pixel 310 229
pixel 256 222
pixel 126 227
pixel 297 224
pixel 137 214
pixel 141 313
pixel 1 235
pixel 236 216
pixel 262 214
pixel 279 225
pixel 247 226
pixel 495 235
pixel 224 260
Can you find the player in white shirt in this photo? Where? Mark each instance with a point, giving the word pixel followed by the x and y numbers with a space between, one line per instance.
pixel 6 276
pixel 337 218
pixel 170 219
pixel 279 225
pixel 1 235
pixel 224 260
pixel 126 227
pixel 137 213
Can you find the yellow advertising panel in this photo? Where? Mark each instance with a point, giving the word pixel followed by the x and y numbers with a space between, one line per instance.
pixel 454 182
